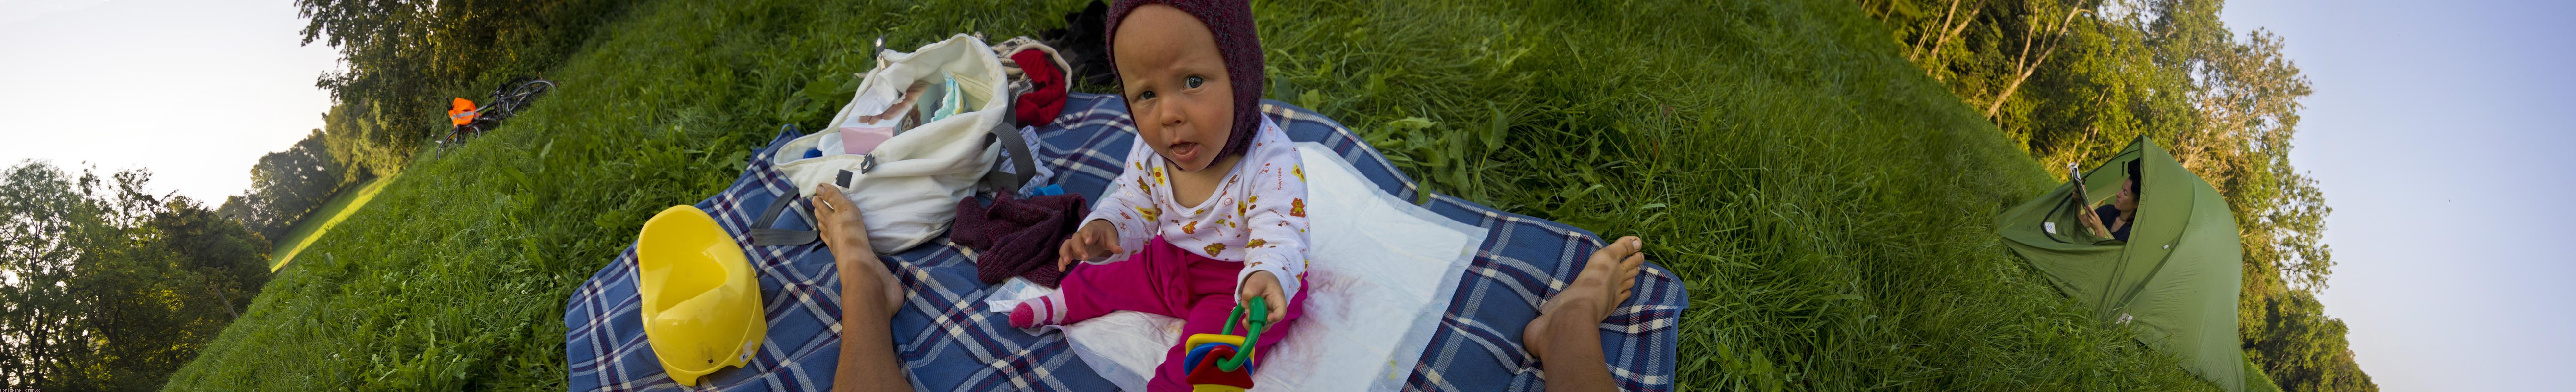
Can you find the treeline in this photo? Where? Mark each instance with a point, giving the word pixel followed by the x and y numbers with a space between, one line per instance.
pixel 2073 81
pixel 406 58
pixel 286 186
pixel 104 286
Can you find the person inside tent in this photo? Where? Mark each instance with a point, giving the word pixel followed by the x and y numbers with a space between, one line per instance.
pixel 2113 220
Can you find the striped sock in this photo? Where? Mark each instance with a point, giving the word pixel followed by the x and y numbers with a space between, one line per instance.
pixel 1047 310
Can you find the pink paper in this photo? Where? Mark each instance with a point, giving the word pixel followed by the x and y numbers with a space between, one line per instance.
pixel 864 140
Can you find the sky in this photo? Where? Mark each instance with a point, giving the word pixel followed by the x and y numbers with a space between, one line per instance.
pixel 2439 132
pixel 194 90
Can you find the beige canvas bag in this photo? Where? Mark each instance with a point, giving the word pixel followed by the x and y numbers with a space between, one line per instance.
pixel 907 189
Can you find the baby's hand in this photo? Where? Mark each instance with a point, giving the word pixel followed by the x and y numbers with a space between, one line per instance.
pixel 1095 240
pixel 1262 285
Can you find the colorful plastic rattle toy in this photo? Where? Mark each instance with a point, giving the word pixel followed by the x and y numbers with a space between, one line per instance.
pixel 1223 362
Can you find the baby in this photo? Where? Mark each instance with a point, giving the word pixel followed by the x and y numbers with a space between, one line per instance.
pixel 1212 196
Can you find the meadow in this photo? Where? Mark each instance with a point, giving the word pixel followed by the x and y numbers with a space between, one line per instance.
pixel 1826 202
pixel 323 218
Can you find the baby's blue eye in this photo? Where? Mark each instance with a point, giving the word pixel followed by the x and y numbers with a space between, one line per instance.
pixel 1145 95
pixel 1193 81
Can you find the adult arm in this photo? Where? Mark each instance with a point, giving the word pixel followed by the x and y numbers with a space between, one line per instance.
pixel 1128 205
pixel 2092 222
pixel 1274 216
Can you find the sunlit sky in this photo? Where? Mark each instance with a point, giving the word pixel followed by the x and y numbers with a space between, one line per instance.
pixel 2440 134
pixel 194 90
pixel 2438 131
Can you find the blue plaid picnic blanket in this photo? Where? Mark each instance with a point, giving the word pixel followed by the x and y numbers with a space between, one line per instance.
pixel 948 342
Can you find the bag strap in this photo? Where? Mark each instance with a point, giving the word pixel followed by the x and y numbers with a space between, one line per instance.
pixel 1023 163
pixel 762 235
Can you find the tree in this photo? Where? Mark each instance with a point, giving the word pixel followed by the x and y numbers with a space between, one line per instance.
pixel 104 286
pixel 2049 35
pixel 407 57
pixel 229 260
pixel 42 212
pixel 286 185
pixel 2304 350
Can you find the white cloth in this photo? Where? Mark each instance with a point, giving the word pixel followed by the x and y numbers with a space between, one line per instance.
pixel 1257 215
pixel 1383 272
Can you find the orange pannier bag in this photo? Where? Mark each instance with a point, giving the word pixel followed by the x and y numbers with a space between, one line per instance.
pixel 461 112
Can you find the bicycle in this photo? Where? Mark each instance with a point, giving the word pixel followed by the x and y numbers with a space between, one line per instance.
pixel 506 102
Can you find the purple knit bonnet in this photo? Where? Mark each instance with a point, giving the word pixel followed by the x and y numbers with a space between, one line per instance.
pixel 1230 21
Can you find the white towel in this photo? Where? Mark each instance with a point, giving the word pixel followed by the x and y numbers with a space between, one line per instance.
pixel 1379 265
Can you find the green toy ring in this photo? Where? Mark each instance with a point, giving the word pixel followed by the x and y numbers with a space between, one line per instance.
pixel 1252 332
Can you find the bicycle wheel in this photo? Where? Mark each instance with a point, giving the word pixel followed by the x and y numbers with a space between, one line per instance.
pixel 532 88
pixel 526 95
pixel 454 137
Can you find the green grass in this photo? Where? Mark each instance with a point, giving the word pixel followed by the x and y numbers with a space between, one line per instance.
pixel 322 219
pixel 1825 202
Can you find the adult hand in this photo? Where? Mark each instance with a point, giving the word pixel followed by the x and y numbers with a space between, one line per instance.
pixel 1262 285
pixel 2092 223
pixel 1095 240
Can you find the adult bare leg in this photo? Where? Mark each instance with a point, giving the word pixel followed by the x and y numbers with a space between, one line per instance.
pixel 1565 335
pixel 869 298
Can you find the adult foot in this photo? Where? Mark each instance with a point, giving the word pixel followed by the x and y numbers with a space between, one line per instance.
pixel 845 234
pixel 1606 281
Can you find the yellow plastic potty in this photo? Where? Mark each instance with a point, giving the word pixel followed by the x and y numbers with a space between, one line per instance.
pixel 701 303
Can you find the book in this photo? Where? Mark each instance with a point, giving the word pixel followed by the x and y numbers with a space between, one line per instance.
pixel 2076 178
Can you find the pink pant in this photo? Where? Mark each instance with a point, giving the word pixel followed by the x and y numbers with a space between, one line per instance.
pixel 1166 280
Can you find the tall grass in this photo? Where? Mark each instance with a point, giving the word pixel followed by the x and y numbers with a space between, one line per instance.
pixel 455 276
pixel 323 218
pixel 1826 203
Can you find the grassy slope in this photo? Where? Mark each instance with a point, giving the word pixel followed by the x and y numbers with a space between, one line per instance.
pixel 321 221
pixel 1827 203
pixel 455 277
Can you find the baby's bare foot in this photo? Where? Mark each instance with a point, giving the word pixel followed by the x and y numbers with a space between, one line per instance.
pixel 1602 285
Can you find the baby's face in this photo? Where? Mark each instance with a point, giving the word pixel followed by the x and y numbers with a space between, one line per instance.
pixel 1175 83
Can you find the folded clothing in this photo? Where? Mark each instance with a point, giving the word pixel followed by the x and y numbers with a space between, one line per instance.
pixel 1018 237
pixel 1045 98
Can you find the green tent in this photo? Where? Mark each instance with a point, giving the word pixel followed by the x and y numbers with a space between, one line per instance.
pixel 2174 281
